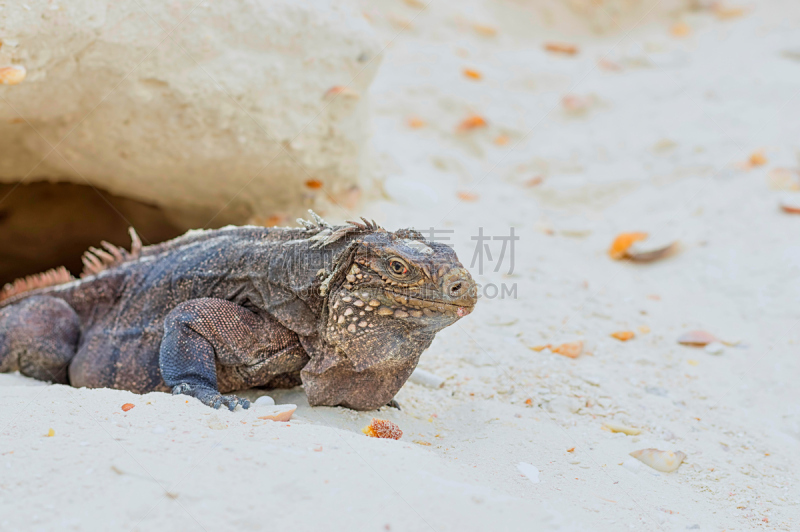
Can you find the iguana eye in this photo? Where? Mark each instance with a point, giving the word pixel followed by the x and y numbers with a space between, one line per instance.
pixel 398 267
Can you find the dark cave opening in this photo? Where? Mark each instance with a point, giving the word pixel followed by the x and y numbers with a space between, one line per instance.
pixel 44 225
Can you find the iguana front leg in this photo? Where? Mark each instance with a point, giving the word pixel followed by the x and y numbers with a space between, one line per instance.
pixel 201 333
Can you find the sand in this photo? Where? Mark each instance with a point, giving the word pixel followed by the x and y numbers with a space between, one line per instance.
pixel 657 139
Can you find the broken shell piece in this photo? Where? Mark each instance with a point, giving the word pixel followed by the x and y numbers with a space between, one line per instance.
pixel 697 338
pixel 790 203
pixel 616 427
pixel 664 461
pixel 715 348
pixel 12 75
pixel 619 247
pixel 569 349
pixel 426 378
pixel 278 412
pixel 651 249
pixel 623 336
pixel 382 428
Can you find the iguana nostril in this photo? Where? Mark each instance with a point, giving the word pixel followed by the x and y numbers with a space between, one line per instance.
pixel 455 289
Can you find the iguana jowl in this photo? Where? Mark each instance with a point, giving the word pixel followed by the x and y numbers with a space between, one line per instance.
pixel 345 310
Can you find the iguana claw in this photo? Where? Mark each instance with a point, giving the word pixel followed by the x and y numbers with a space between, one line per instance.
pixel 210 397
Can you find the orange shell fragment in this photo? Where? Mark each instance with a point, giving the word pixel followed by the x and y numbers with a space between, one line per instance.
pixel 561 48
pixel 127 406
pixel 569 349
pixel 619 247
pixel 472 74
pixel 12 75
pixel 623 336
pixel 757 159
pixel 383 428
pixel 472 122
pixel 314 184
pixel 467 196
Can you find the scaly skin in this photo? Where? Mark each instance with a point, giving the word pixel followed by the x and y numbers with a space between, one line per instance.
pixel 345 310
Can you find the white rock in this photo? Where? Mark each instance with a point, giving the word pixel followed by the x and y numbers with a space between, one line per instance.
pixel 529 471
pixel 715 348
pixel 632 464
pixel 163 118
pixel 265 400
pixel 426 378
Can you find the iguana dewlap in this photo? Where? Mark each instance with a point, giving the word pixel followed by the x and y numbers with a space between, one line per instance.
pixel 345 310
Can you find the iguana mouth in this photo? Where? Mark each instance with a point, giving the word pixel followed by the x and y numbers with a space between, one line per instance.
pixel 461 310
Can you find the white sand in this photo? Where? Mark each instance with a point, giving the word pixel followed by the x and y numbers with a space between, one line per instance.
pixel 658 152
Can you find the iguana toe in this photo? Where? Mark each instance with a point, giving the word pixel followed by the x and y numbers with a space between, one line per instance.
pixel 210 397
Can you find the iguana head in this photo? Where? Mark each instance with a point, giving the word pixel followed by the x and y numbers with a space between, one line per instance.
pixel 401 284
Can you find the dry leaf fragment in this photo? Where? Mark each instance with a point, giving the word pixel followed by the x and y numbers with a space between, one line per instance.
pixel 619 247
pixel 12 75
pixel 623 336
pixel 472 74
pixel 486 31
pixel 314 184
pixel 422 442
pixel 540 348
pixel 534 181
pixel 697 338
pixel 467 196
pixel 472 122
pixel 382 428
pixel 415 122
pixel 571 449
pixel 681 29
pixel 664 461
pixel 341 90
pixel 561 48
pixel 127 406
pixel 274 220
pixel 757 159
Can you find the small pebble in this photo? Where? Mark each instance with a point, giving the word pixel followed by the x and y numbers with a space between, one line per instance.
pixel 426 378
pixel 715 348
pixel 265 400
pixel 529 471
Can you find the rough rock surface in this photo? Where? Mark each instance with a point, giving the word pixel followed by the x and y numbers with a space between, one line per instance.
pixel 194 106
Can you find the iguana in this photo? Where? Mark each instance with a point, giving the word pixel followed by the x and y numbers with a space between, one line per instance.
pixel 346 310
